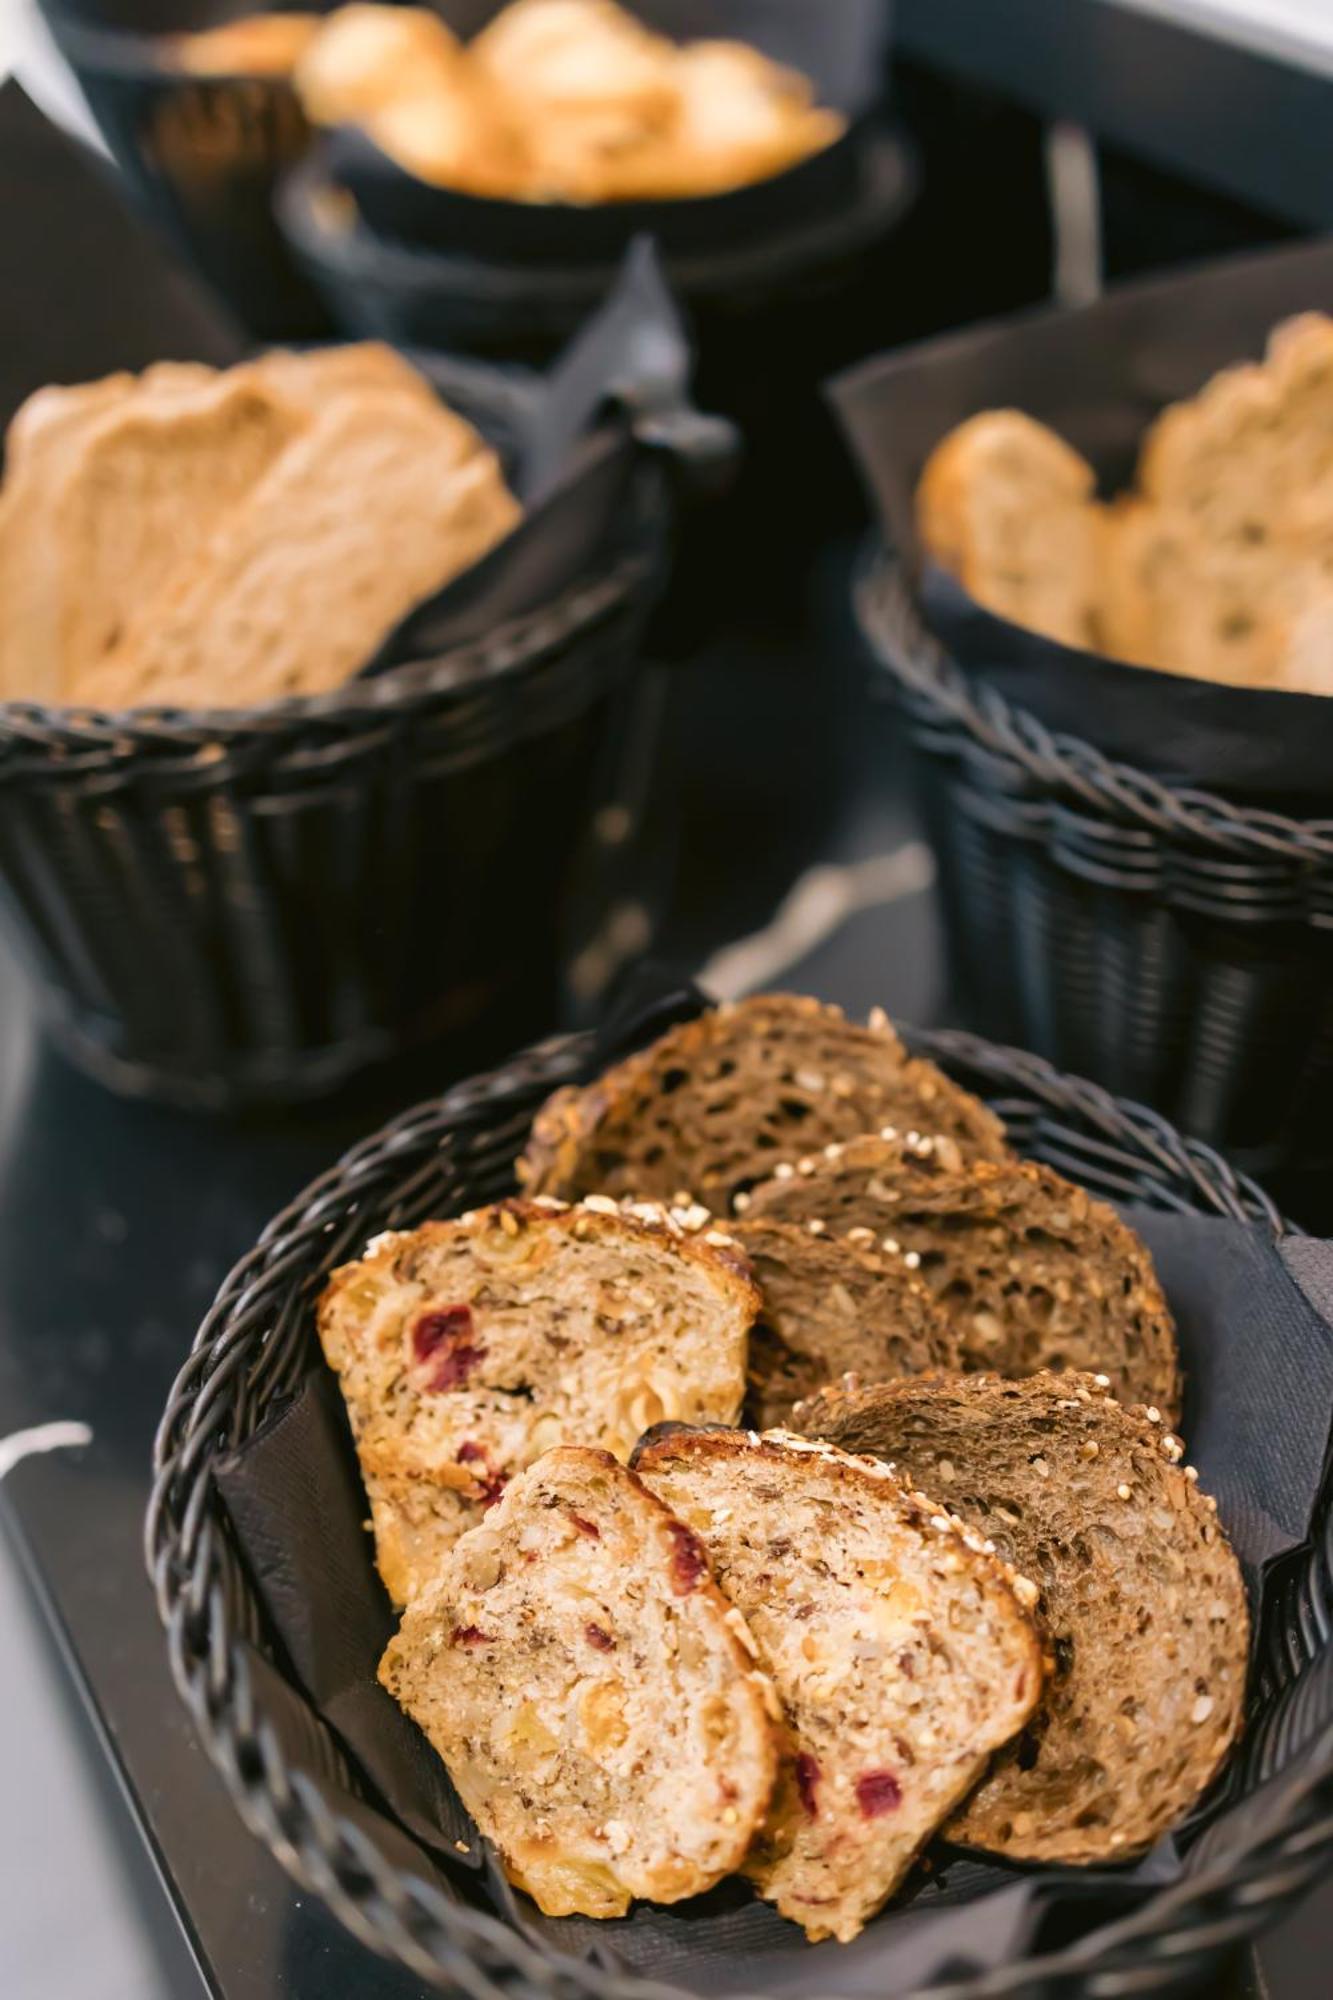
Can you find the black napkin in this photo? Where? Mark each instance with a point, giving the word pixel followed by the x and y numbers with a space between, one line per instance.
pixel 1256 1329
pixel 1098 375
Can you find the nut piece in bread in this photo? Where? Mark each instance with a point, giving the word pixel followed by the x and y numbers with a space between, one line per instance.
pixel 592 1692
pixel 712 1104
pixel 1142 1599
pixel 1007 507
pixel 900 1649
pixel 831 1307
pixel 1031 1270
pixel 466 1349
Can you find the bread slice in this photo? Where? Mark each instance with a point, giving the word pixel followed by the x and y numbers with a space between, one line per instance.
pixel 1031 1270
pixel 367 514
pixel 1141 1597
pixel 830 1306
pixel 711 1105
pixel 312 379
pixel 256 45
pixel 1007 508
pixel 592 1692
pixel 465 1349
pixel 365 56
pixel 900 1649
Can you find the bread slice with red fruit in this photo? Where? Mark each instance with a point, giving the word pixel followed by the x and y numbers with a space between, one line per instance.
pixel 902 1650
pixel 593 1693
pixel 465 1349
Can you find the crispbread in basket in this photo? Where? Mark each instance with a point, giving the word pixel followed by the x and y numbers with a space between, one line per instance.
pixel 289 1778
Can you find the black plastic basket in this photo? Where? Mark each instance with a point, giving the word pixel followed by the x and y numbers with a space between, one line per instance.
pixel 1174 946
pixel 245 905
pixel 203 155
pixel 257 1344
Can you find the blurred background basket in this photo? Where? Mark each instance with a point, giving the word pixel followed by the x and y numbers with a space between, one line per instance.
pixel 228 907
pixel 1173 946
pixel 285 1771
pixel 202 155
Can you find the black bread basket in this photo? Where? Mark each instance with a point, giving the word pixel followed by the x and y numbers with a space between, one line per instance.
pixel 247 905
pixel 202 154
pixel 1136 866
pixel 1170 943
pixel 288 1776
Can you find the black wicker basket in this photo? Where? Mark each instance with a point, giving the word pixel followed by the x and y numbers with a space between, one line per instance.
pixel 258 1343
pixel 1174 946
pixel 244 905
pixel 203 156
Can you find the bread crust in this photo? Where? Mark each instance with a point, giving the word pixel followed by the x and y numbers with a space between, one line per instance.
pixel 1031 1270
pixel 465 1349
pixel 803 1074
pixel 592 1692
pixel 899 1645
pixel 1142 1601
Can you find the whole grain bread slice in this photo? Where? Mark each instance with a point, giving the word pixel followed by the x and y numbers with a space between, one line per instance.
pixel 369 512
pixel 1031 1270
pixel 593 1693
pixel 712 1104
pixel 830 1307
pixel 900 1649
pixel 465 1349
pixel 1142 1600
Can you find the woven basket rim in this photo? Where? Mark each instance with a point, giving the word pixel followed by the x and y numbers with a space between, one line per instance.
pixel 1223 1903
pixel 888 619
pixel 509 650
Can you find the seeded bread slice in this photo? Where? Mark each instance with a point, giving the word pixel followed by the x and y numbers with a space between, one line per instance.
pixel 1141 1597
pixel 1031 1271
pixel 592 1692
pixel 713 1103
pixel 900 1649
pixel 830 1306
pixel 465 1349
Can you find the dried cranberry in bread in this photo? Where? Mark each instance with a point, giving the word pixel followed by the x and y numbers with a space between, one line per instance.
pixel 1031 1270
pixel 713 1103
pixel 466 1349
pixel 830 1307
pixel 900 1649
pixel 1141 1597
pixel 592 1692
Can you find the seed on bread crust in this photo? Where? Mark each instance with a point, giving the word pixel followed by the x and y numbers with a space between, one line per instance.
pixel 1142 1600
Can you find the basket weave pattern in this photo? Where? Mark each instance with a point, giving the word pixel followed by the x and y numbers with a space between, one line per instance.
pixel 257 1344
pixel 1174 946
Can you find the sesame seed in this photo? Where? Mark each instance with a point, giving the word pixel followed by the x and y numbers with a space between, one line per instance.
pixel 740 1202
pixel 888 1131
pixel 682 1198
pixel 1041 1468
pixel 878 1021
pixel 1123 1491
pixel 1192 1474
pixel 860 1234
pixel 783 1171
pixel 913 1260
pixel 805 1166
pixel 600 1204
pixel 1089 1448
pixel 811 1080
pixel 730 1816
pixel 509 1222
pixel 1202 1708
pixel 891 1245
pixel 945 1469
pixel 1153 1414
pixel 1102 1381
pixel 720 1239
pixel 462 1847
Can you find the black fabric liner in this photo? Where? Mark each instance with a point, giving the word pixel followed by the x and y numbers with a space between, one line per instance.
pixel 1098 375
pixel 1258 1355
pixel 570 439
